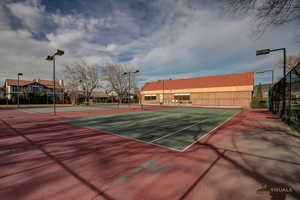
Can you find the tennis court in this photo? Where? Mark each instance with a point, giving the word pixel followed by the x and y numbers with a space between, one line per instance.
pixel 173 128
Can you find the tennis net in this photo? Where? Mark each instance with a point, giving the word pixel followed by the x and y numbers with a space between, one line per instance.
pixel 167 107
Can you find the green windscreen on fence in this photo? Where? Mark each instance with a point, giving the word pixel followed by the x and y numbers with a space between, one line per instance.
pixel 285 97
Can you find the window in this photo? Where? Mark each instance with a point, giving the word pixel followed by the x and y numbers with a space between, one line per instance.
pixel 150 97
pixel 182 97
pixel 29 88
pixel 16 88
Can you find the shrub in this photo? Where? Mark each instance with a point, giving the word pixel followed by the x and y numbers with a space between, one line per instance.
pixel 259 103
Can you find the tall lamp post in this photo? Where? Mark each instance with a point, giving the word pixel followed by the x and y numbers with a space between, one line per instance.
pixel 129 84
pixel 52 58
pixel 163 91
pixel 267 51
pixel 19 74
pixel 163 87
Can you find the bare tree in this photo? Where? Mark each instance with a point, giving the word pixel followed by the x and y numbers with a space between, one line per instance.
pixel 116 82
pixel 82 75
pixel 291 61
pixel 266 12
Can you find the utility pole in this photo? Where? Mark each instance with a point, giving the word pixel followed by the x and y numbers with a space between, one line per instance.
pixel 267 51
pixel 19 74
pixel 52 58
pixel 129 84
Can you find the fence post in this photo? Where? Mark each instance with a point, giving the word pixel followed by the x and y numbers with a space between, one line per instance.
pixel 290 106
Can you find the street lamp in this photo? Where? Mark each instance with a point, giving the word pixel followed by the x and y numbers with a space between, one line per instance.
pixel 267 51
pixel 263 71
pixel 163 82
pixel 129 74
pixel 52 58
pixel 19 74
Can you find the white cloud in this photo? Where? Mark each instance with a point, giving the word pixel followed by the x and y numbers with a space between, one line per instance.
pixel 177 41
pixel 65 38
pixel 29 12
pixel 195 40
pixel 4 20
pixel 21 52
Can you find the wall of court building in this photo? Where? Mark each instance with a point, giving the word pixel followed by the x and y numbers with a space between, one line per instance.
pixel 219 98
pixel 219 90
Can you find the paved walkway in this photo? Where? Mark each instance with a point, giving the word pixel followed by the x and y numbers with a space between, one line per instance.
pixel 44 158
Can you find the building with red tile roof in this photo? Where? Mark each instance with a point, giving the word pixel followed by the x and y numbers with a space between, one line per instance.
pixel 14 86
pixel 220 90
pixel 45 83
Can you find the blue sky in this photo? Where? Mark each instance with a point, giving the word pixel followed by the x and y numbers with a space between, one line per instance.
pixel 163 38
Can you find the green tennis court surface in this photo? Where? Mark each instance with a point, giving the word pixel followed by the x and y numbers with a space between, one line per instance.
pixel 174 128
pixel 74 108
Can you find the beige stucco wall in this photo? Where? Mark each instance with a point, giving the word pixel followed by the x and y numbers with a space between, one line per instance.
pixel 212 89
pixel 221 96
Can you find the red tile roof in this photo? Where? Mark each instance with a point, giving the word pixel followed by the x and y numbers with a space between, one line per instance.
pixel 226 80
pixel 46 83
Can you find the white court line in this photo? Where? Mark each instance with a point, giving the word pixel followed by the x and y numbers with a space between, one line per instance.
pixel 210 131
pixel 177 131
pixel 161 146
pixel 181 129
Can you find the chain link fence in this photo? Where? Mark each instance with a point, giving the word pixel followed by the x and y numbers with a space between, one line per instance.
pixel 284 97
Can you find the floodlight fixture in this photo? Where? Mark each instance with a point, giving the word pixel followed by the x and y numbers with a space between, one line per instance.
pixel 135 71
pixel 263 52
pixel 49 58
pixel 59 52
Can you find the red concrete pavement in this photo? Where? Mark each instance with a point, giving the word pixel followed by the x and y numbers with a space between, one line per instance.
pixel 44 158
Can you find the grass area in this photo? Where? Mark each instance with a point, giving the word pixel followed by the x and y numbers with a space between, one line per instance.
pixel 173 128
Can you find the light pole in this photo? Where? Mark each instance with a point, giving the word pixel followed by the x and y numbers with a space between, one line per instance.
pixel 163 89
pixel 52 58
pixel 263 71
pixel 267 51
pixel 129 85
pixel 163 92
pixel 163 82
pixel 19 74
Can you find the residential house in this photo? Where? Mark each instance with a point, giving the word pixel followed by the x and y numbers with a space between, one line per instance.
pixel 14 86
